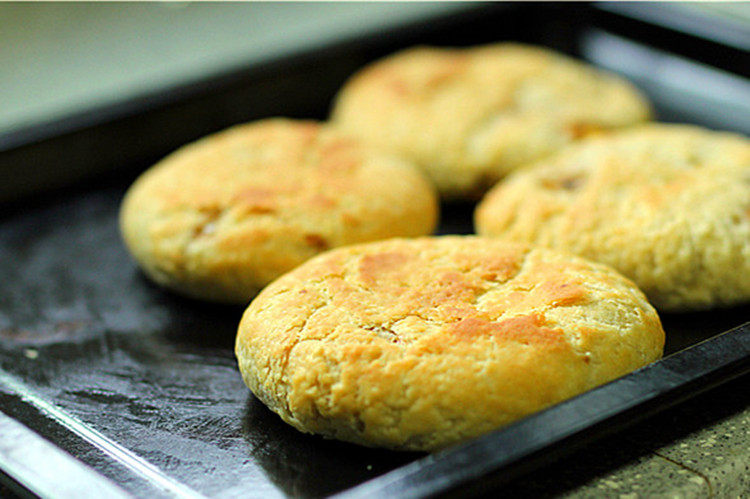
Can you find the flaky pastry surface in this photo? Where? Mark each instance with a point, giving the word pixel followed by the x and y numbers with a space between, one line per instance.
pixel 469 116
pixel 222 217
pixel 666 205
pixel 418 344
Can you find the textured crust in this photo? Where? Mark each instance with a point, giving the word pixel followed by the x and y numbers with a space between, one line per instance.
pixel 418 344
pixel 467 117
pixel 222 217
pixel 666 205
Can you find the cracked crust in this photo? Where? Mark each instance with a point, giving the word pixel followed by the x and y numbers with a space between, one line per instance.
pixel 666 205
pixel 222 217
pixel 418 344
pixel 467 117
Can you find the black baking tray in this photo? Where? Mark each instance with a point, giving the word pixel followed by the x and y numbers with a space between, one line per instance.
pixel 140 388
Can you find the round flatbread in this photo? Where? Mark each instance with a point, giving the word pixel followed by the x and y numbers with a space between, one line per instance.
pixel 220 218
pixel 469 116
pixel 666 205
pixel 418 344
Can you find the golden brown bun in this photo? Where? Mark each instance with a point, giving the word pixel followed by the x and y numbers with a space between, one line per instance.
pixel 418 344
pixel 222 217
pixel 467 117
pixel 666 205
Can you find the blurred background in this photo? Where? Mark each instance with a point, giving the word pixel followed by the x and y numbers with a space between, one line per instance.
pixel 114 84
pixel 63 58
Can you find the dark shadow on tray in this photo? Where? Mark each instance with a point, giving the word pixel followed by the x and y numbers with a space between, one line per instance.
pixel 456 217
pixel 191 321
pixel 686 329
pixel 301 464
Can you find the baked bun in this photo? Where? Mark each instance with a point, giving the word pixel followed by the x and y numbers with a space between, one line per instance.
pixel 666 205
pixel 469 116
pixel 418 344
pixel 222 217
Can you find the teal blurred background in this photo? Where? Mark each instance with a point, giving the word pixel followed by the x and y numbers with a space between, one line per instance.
pixel 60 58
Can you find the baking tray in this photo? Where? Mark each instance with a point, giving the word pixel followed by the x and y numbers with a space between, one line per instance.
pixel 141 386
